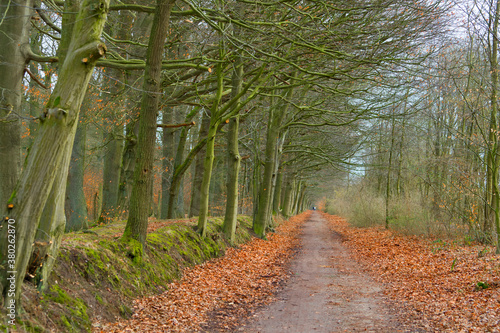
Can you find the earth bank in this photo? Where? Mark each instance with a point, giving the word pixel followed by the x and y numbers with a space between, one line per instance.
pixel 97 276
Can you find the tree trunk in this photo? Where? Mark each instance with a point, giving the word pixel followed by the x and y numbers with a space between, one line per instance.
pixel 215 120
pixel 137 223
pixel 14 33
pixel 141 27
pixel 175 184
pixel 233 159
pixel 493 153
pixel 167 159
pixel 111 174
pixel 388 183
pixel 194 209
pixel 276 117
pixel 277 193
pixel 287 203
pixel 127 168
pixel 207 175
pixel 296 199
pixel 76 206
pixel 300 207
pixel 42 183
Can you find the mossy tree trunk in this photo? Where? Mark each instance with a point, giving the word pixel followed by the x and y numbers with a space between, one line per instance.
pixel 53 220
pixel 233 158
pixel 277 193
pixel 139 208
pixel 142 23
pixel 276 116
pixel 288 197
pixel 218 118
pixel 14 33
pixel 207 166
pixel 41 187
pixel 493 160
pixel 298 192
pixel 215 120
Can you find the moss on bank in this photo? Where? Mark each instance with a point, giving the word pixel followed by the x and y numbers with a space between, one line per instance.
pixel 97 276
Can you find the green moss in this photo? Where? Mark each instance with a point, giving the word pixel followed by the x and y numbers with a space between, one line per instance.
pixel 22 326
pixel 125 311
pixel 98 298
pixel 77 318
pixel 66 322
pixel 116 271
pixel 61 296
pixel 12 197
pixel 135 250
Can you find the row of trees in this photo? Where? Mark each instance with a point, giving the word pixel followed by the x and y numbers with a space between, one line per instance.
pixel 291 83
pixel 434 157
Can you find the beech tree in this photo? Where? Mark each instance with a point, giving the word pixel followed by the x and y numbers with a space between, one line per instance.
pixel 15 55
pixel 41 187
pixel 137 222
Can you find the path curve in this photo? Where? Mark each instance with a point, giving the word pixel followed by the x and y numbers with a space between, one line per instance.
pixel 328 291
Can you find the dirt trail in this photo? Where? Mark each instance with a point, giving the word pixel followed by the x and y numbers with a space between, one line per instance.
pixel 328 291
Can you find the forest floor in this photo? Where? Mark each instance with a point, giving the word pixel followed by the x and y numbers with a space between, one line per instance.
pixel 328 291
pixel 340 279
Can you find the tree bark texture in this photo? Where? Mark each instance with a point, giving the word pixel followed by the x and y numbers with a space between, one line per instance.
pixel 127 168
pixel 111 175
pixel 40 189
pixel 194 209
pixel 14 33
pixel 233 159
pixel 76 207
pixel 139 208
pixel 276 117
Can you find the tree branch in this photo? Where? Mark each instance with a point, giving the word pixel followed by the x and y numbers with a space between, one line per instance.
pixel 47 20
pixel 148 9
pixel 30 55
pixel 175 125
pixel 26 70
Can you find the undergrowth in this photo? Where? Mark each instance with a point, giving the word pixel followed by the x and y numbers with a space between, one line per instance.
pixel 409 213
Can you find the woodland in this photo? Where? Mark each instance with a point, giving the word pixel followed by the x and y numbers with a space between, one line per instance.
pixel 384 112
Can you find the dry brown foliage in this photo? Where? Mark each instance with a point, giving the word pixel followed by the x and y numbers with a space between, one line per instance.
pixel 450 288
pixel 240 279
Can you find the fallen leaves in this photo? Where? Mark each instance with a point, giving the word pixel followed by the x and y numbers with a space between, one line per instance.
pixel 449 288
pixel 239 280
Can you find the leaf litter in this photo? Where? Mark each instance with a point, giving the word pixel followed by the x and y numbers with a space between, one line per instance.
pixel 217 294
pixel 445 287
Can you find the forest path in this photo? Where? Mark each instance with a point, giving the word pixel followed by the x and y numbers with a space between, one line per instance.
pixel 328 291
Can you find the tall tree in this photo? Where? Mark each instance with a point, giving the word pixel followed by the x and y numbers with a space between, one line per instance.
pixel 233 158
pixel 14 56
pixel 137 223
pixel 41 188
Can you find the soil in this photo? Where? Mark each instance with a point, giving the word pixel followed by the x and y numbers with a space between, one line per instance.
pixel 328 292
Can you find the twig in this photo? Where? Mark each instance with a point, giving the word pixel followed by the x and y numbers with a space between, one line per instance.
pixel 26 70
